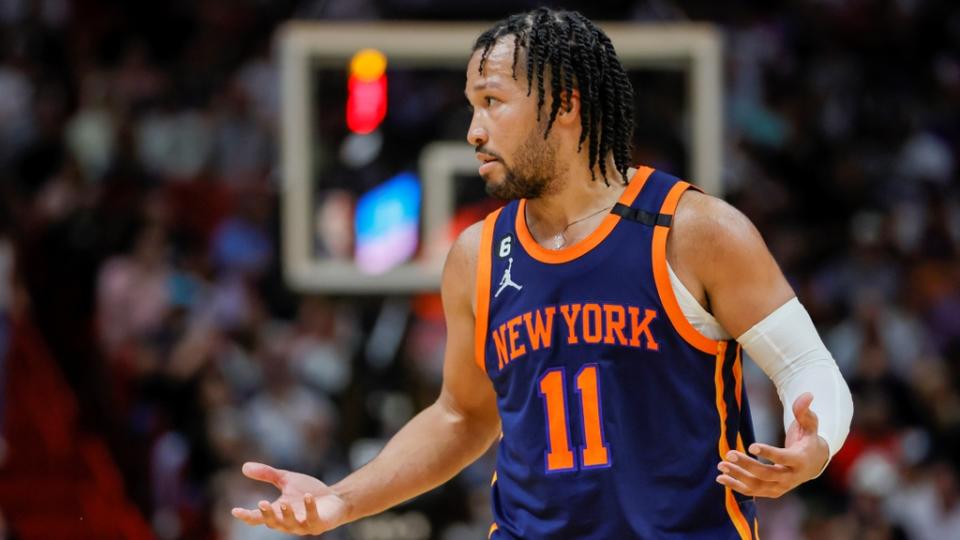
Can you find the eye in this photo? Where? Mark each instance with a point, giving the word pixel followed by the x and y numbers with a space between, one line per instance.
pixel 490 100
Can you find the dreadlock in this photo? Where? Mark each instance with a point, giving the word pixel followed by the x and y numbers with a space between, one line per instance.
pixel 578 54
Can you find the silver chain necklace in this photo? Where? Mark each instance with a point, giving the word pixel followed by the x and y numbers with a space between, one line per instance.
pixel 559 240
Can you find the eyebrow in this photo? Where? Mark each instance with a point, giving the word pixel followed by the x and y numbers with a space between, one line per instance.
pixel 484 85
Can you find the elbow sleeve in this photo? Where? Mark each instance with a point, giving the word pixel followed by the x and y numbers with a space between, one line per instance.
pixel 788 349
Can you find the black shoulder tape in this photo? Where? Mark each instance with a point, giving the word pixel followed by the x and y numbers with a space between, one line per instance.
pixel 641 216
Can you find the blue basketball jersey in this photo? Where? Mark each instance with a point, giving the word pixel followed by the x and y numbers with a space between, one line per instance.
pixel 615 410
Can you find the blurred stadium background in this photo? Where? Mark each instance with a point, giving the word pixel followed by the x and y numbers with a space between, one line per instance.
pixel 150 341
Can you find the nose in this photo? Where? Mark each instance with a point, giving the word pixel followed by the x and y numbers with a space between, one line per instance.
pixel 477 134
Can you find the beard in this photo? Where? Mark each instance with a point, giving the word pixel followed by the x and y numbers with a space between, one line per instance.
pixel 533 173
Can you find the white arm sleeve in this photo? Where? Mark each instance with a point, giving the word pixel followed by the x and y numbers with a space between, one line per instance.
pixel 788 349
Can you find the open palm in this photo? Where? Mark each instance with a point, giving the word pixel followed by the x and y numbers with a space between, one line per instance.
pixel 803 457
pixel 305 505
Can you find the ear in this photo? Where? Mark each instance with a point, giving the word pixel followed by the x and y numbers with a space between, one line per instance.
pixel 569 112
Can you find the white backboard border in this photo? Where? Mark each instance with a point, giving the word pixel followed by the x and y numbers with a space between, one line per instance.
pixel 695 48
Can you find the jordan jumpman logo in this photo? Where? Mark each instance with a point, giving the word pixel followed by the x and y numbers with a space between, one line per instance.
pixel 505 281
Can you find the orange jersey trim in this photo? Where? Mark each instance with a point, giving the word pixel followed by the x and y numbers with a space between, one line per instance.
pixel 738 381
pixel 733 509
pixel 584 246
pixel 738 376
pixel 493 529
pixel 484 261
pixel 661 277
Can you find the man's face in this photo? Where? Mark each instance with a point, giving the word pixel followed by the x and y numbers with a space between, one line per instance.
pixel 516 160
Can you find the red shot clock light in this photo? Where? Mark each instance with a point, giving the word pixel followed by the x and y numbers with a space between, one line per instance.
pixel 367 91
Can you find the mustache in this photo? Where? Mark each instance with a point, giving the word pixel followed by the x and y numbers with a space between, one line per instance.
pixel 483 150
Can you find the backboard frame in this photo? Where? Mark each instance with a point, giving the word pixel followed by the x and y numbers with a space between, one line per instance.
pixel 693 47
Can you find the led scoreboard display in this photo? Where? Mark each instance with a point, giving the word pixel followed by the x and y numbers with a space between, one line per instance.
pixel 366 91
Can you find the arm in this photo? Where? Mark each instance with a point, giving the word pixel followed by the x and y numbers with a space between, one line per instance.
pixel 432 448
pixel 724 261
pixel 453 432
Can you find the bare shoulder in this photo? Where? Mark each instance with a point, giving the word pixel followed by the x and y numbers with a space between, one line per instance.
pixel 721 257
pixel 706 229
pixel 465 251
pixel 460 269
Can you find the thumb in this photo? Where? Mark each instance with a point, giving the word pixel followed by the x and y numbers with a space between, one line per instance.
pixel 806 418
pixel 263 473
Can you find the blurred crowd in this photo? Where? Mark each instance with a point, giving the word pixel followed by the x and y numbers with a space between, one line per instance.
pixel 138 165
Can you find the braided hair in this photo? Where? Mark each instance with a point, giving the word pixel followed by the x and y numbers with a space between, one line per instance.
pixel 578 53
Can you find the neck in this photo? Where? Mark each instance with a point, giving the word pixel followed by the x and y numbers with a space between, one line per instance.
pixel 564 216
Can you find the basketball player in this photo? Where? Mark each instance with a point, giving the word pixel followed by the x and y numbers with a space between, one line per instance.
pixel 590 325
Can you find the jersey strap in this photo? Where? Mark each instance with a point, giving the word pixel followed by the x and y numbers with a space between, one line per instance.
pixel 482 299
pixel 661 277
pixel 642 216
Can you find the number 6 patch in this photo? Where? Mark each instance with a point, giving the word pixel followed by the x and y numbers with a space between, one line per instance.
pixel 505 246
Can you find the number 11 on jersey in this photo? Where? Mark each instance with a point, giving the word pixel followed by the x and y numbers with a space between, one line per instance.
pixel 595 452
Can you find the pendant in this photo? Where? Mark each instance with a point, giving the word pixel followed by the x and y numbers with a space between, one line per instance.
pixel 558 241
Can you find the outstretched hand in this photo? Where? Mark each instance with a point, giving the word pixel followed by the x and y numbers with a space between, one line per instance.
pixel 305 506
pixel 803 457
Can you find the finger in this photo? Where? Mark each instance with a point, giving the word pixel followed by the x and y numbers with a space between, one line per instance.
pixel 263 473
pixel 289 520
pixel 755 484
pixel 779 456
pixel 313 518
pixel 739 480
pixel 756 468
pixel 734 484
pixel 801 411
pixel 270 518
pixel 250 517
